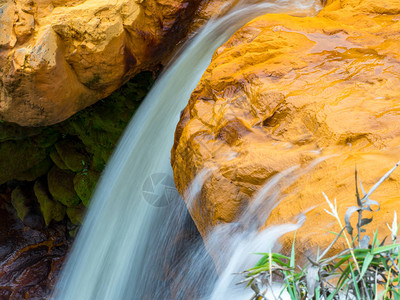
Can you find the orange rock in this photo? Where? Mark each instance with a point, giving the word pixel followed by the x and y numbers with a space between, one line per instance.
pixel 57 57
pixel 286 91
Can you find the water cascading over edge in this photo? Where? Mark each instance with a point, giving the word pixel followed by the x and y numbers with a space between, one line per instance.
pixel 119 248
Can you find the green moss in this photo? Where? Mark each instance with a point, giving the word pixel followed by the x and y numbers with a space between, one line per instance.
pixel 76 214
pixel 84 184
pixel 20 202
pixel 47 138
pixel 79 147
pixel 51 210
pixel 14 132
pixel 72 233
pixel 36 171
pixel 17 157
pixel 55 157
pixel 61 187
pixel 99 159
pixel 71 154
pixel 100 126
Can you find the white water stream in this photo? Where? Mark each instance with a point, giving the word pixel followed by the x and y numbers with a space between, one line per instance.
pixel 124 243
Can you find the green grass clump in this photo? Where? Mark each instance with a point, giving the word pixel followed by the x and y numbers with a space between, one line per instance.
pixel 366 269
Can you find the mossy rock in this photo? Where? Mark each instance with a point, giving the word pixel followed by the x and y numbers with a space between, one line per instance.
pixel 85 183
pixel 56 158
pixel 73 232
pixel 27 208
pixel 100 126
pixel 47 138
pixel 100 157
pixel 98 143
pixel 20 202
pixel 98 163
pixel 76 214
pixel 79 147
pixel 36 171
pixel 109 120
pixel 17 157
pixel 51 210
pixel 72 154
pixel 9 131
pixel 61 187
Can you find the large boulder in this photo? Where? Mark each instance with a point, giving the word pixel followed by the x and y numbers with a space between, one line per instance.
pixel 321 93
pixel 57 167
pixel 60 56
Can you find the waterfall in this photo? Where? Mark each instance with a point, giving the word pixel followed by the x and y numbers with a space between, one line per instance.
pixel 135 212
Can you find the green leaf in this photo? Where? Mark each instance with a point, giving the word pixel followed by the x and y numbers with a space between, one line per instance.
pixel 317 292
pixel 265 260
pixel 379 250
pixel 355 283
pixel 375 240
pixel 282 290
pixel 261 262
pixel 342 260
pixel 333 232
pixel 367 261
pixel 396 295
pixel 384 264
pixel 289 287
pixel 343 277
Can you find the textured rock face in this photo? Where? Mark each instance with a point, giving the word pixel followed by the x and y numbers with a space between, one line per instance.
pixel 30 259
pixel 57 167
pixel 289 91
pixel 59 56
pixel 47 176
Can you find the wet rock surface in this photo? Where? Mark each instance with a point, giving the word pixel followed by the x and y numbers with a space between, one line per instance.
pixel 58 57
pixel 42 200
pixel 30 259
pixel 320 93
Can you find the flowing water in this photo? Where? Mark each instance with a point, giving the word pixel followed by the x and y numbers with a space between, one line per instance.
pixel 135 217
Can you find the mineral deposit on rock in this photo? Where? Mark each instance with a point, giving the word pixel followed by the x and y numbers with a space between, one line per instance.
pixel 321 93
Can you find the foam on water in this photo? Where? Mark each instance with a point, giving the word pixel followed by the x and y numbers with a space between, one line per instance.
pixel 124 240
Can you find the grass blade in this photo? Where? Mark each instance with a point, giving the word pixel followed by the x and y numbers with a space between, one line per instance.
pixel 367 261
pixel 355 284
pixel 386 248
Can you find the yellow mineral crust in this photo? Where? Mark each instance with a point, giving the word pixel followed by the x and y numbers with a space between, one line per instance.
pixel 290 91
